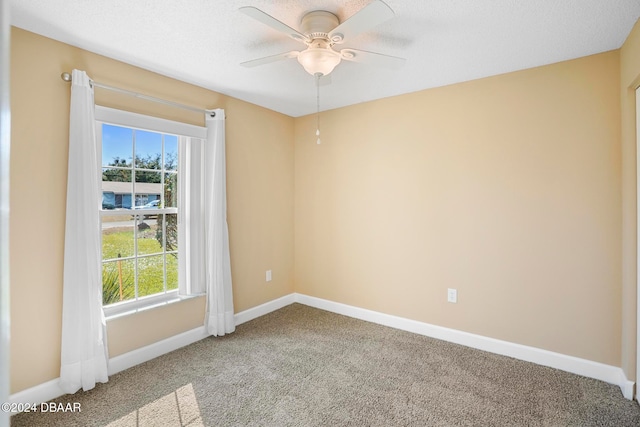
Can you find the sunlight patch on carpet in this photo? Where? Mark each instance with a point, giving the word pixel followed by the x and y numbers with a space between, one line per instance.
pixel 179 408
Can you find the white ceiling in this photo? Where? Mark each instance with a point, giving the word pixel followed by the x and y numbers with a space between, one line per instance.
pixel 444 41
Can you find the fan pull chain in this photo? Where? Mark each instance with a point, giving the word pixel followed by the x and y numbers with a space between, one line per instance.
pixel 318 75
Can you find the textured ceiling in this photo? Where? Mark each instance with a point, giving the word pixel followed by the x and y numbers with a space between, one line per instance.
pixel 444 41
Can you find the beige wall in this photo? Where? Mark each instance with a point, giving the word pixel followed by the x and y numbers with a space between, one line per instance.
pixel 630 80
pixel 505 188
pixel 259 185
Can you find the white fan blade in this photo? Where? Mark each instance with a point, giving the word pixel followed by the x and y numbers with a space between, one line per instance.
pixel 272 22
pixel 366 18
pixel 270 59
pixel 372 58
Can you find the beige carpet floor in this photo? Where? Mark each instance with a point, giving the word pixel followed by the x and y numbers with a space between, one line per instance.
pixel 300 366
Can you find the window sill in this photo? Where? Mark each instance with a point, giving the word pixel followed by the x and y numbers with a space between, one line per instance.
pixel 128 308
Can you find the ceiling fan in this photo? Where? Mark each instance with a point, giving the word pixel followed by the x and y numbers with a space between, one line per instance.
pixel 320 31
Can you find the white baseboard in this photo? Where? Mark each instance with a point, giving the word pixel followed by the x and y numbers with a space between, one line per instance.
pixel 626 386
pixel 157 349
pixel 38 394
pixel 575 365
pixel 51 390
pixel 266 308
pixel 610 374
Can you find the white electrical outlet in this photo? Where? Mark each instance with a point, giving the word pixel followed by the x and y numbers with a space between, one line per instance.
pixel 452 295
pixel 268 275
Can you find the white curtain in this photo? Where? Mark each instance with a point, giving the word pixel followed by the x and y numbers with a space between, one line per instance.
pixel 219 314
pixel 204 263
pixel 191 216
pixel 84 349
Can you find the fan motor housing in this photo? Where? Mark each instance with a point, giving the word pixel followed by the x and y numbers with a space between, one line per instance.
pixel 318 24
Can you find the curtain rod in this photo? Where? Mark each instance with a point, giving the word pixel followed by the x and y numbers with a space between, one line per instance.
pixel 67 78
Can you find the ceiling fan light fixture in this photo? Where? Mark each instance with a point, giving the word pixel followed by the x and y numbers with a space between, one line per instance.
pixel 319 60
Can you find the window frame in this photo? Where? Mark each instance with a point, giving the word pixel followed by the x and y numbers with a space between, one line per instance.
pixel 121 118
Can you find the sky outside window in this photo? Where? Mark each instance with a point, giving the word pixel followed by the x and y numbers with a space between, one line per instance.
pixel 117 142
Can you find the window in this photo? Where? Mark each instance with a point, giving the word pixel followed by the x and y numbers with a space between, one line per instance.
pixel 139 170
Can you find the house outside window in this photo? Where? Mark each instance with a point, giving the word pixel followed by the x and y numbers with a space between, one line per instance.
pixel 117 195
